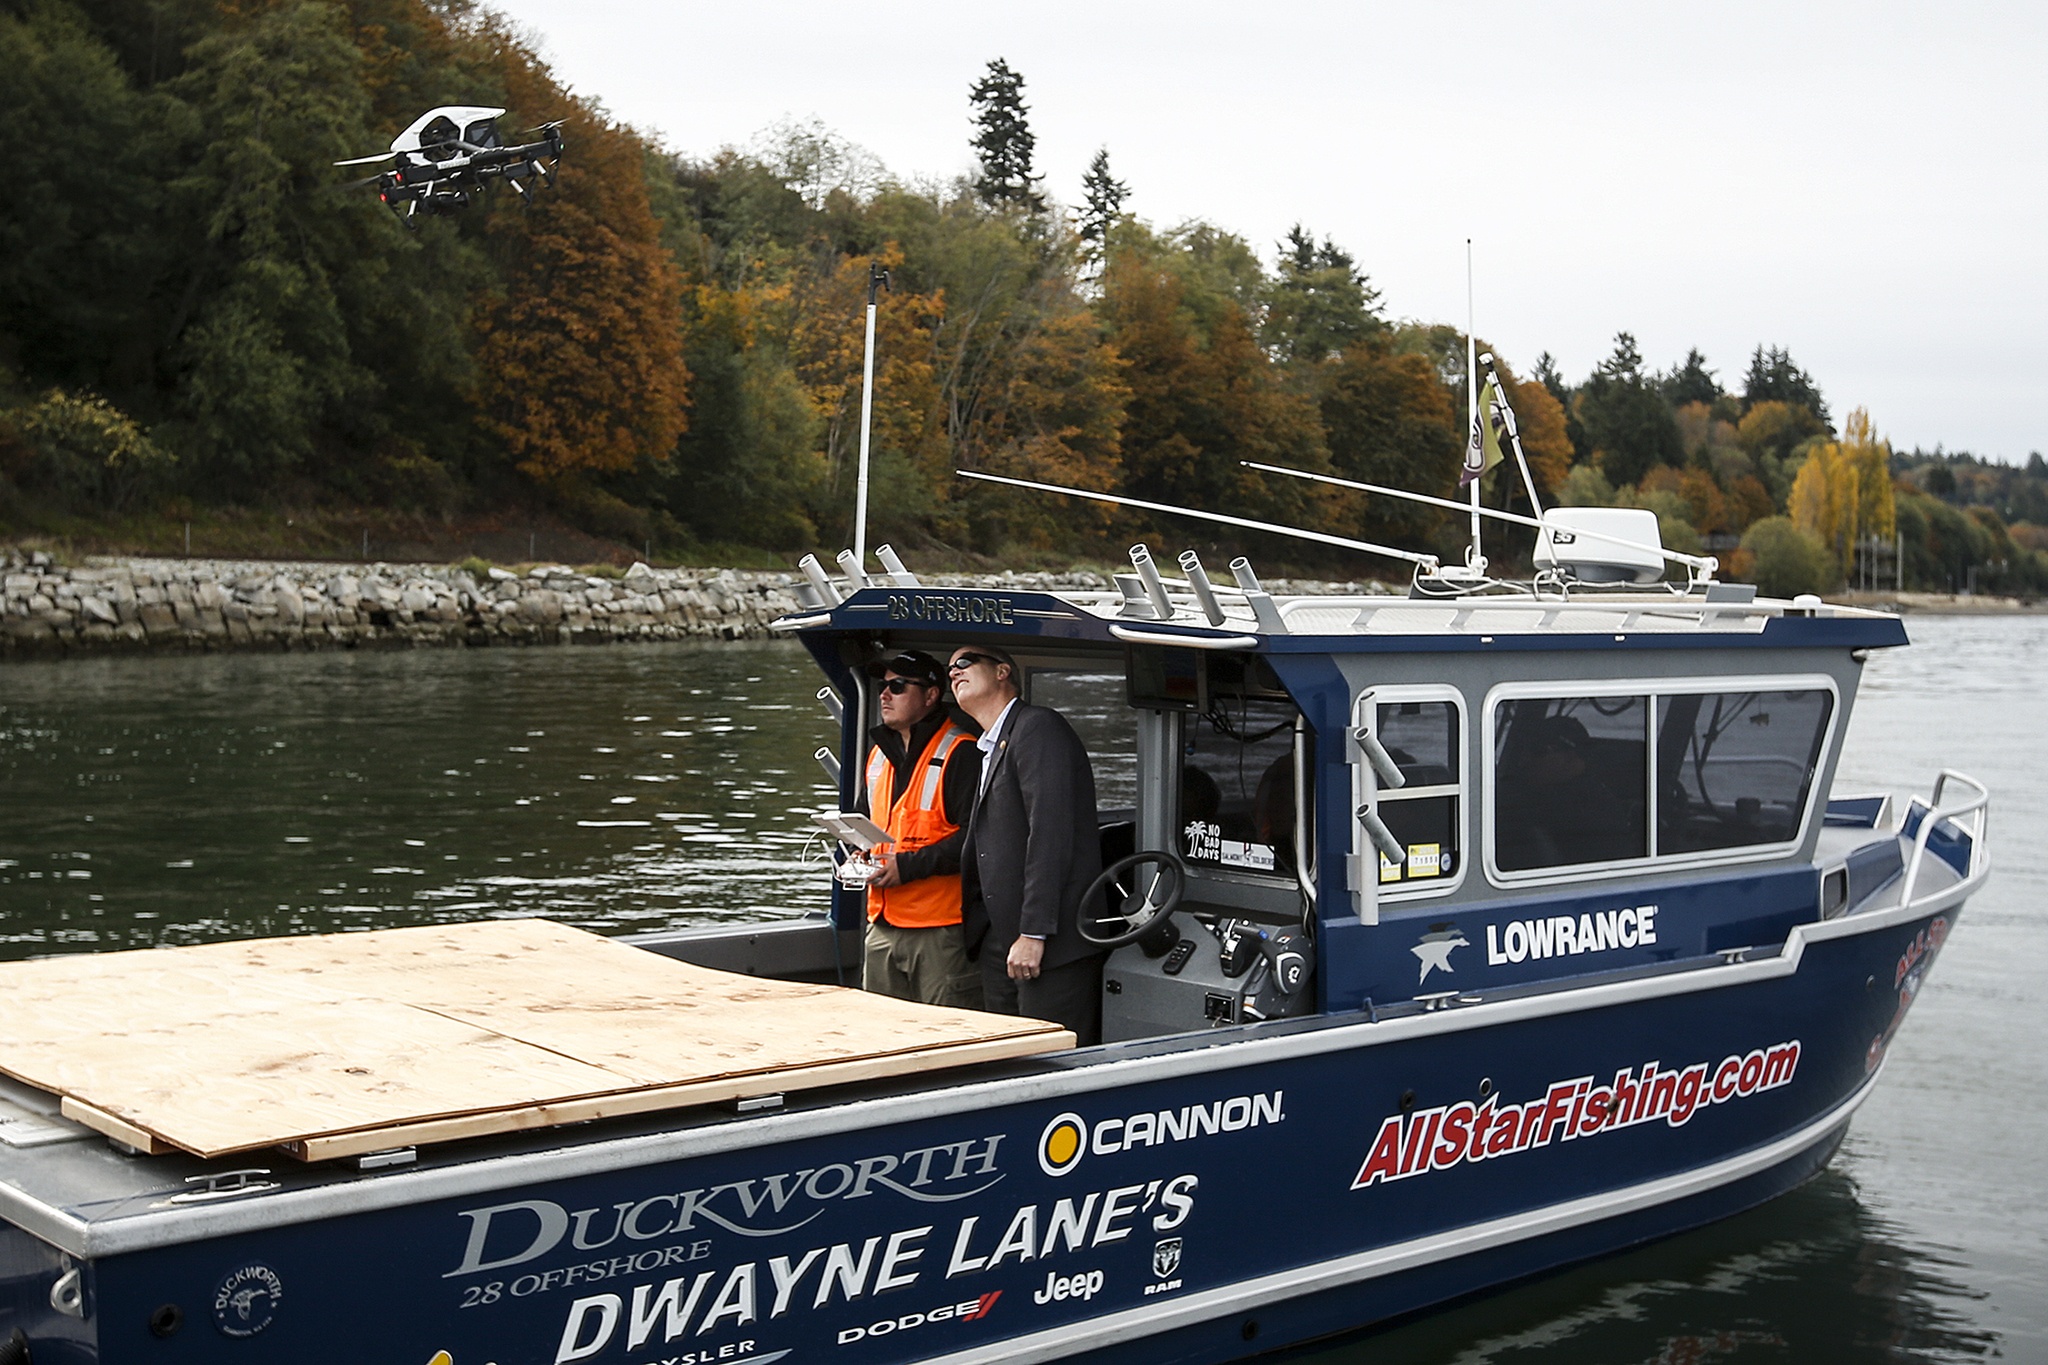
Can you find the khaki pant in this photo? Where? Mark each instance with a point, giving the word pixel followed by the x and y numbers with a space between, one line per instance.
pixel 926 965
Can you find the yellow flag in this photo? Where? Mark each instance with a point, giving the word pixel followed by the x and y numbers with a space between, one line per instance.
pixel 1482 446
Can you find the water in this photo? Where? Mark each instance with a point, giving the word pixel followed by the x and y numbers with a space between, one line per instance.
pixel 177 800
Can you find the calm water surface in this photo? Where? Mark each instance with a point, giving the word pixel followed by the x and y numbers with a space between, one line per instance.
pixel 176 800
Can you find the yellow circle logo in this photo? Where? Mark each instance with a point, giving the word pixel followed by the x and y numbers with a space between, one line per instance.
pixel 1061 1145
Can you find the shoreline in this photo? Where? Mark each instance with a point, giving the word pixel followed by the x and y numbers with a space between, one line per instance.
pixel 110 605
pixel 118 605
pixel 123 604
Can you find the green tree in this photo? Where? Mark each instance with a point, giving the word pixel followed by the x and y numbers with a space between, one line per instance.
pixel 1003 141
pixel 1627 425
pixel 1774 378
pixel 1690 382
pixel 263 354
pixel 1320 303
pixel 1783 560
pixel 1102 204
pixel 1387 420
pixel 81 245
pixel 750 464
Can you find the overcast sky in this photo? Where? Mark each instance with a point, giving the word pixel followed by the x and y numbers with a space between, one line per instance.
pixel 1862 184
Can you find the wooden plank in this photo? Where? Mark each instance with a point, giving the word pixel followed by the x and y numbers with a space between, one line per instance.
pixel 127 1134
pixel 721 1090
pixel 460 1029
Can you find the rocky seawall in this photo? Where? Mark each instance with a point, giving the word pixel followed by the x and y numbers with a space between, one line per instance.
pixel 195 605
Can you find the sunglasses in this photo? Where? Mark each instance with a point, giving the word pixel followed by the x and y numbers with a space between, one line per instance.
pixel 966 661
pixel 896 687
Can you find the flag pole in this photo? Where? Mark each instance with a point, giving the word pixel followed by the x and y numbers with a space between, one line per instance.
pixel 1474 560
pixel 878 278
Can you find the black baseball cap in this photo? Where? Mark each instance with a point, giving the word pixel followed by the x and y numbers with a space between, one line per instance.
pixel 914 664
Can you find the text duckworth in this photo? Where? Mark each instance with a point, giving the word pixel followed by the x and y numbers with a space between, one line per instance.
pixel 766 1206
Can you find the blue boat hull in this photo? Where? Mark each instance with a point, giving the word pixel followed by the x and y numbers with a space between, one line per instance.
pixel 1152 1202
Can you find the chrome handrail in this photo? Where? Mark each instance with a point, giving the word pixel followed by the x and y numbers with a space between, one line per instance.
pixel 1936 813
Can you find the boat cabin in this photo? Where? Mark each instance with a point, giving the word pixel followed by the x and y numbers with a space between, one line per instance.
pixel 1427 800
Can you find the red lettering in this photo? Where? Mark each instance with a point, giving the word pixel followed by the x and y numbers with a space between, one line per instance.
pixel 1385 1161
pixel 1456 1132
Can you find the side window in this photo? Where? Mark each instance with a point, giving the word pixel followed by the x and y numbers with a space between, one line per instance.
pixel 1571 781
pixel 1422 738
pixel 1735 768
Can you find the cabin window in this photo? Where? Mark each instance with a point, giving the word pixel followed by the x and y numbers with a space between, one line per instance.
pixel 1735 768
pixel 1237 785
pixel 1424 738
pixel 1571 783
pixel 1423 730
pixel 1607 779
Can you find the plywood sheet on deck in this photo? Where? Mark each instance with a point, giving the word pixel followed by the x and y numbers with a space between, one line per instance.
pixel 344 1042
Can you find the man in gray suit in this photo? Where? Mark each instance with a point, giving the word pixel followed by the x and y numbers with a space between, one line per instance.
pixel 1032 848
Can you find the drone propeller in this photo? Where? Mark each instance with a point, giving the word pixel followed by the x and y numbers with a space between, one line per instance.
pixel 369 160
pixel 553 123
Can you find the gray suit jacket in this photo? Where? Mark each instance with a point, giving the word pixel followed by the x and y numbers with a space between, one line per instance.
pixel 1032 845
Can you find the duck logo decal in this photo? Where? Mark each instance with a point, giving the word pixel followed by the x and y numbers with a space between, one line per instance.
pixel 1434 950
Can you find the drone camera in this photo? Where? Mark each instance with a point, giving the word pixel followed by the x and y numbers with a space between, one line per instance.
pixel 449 156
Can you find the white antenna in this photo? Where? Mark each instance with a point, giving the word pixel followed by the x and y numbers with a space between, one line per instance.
pixel 1428 562
pixel 878 278
pixel 1474 560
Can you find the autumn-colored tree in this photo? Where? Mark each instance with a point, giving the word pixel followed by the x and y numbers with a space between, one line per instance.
pixel 1773 427
pixel 1203 399
pixel 1388 421
pixel 1844 490
pixel 580 356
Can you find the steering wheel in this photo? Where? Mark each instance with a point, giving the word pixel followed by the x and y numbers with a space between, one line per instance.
pixel 1157 896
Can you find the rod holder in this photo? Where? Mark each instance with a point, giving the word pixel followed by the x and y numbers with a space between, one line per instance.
pixel 834 707
pixel 849 564
pixel 1155 586
pixel 1257 598
pixel 1198 579
pixel 1382 838
pixel 904 577
pixel 821 582
pixel 807 598
pixel 829 761
pixel 1383 764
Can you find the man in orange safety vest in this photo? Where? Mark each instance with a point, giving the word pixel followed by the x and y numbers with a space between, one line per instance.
pixel 921 778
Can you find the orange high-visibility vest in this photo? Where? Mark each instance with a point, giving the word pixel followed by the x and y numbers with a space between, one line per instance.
pixel 916 818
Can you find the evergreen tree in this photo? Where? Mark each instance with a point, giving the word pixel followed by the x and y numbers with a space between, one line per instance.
pixel 1003 140
pixel 1102 196
pixel 1773 378
pixel 1320 304
pixel 1624 419
pixel 1691 382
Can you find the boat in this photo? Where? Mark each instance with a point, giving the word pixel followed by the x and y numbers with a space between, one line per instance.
pixel 1460 935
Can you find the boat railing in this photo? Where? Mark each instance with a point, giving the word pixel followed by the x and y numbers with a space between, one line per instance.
pixel 1933 815
pixel 1553 612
